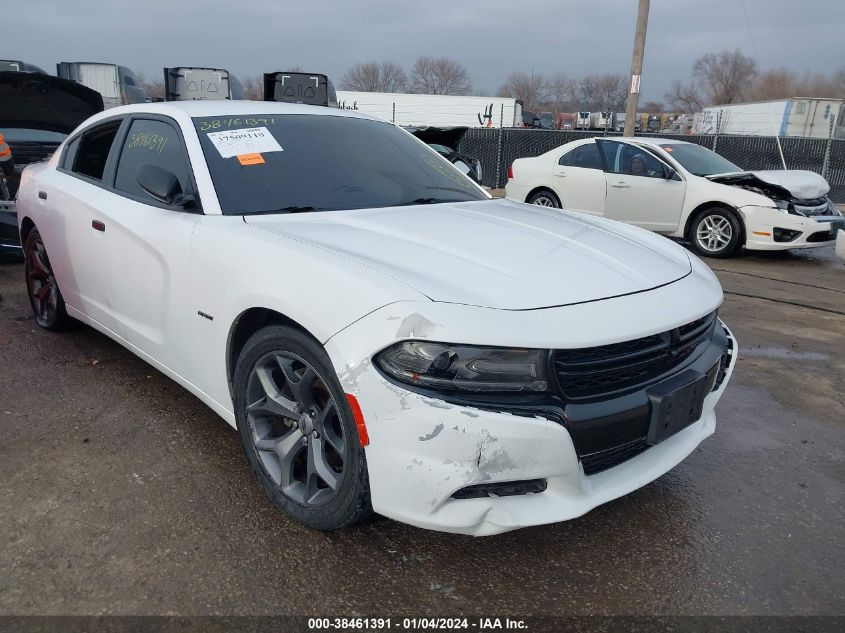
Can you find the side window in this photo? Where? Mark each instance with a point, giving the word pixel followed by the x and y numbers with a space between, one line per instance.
pixel 586 156
pixel 150 143
pixel 70 154
pixel 93 150
pixel 629 160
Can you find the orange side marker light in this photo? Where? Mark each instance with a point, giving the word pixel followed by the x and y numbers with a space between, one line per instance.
pixel 358 416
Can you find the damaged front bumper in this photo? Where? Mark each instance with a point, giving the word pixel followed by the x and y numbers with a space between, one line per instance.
pixel 769 229
pixel 459 468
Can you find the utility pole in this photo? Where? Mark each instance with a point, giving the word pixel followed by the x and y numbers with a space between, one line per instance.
pixel 636 68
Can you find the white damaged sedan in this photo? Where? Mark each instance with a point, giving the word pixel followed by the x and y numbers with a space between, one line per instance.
pixel 383 335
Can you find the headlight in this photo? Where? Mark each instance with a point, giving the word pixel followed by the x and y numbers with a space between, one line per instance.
pixel 783 205
pixel 448 367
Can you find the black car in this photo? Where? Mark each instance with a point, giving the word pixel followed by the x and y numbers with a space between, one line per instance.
pixel 37 112
pixel 444 140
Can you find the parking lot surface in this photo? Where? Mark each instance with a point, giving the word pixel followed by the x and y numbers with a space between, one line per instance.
pixel 123 494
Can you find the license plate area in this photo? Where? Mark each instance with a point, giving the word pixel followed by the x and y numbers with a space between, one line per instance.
pixel 675 404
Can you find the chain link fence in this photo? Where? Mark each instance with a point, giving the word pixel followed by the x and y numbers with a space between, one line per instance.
pixel 498 148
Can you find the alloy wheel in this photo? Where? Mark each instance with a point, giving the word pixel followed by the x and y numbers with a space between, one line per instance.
pixel 544 201
pixel 41 284
pixel 296 428
pixel 713 233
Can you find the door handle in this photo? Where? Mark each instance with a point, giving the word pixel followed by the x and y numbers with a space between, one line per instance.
pixel 621 185
pixel 42 195
pixel 562 174
pixel 98 226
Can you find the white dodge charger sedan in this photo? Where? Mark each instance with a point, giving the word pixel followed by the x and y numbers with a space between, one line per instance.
pixel 383 335
pixel 682 190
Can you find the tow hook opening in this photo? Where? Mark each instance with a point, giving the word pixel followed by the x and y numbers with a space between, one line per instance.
pixel 502 489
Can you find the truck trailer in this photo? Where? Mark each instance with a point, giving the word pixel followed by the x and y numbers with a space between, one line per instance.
pixel 797 116
pixel 435 110
pixel 16 66
pixel 117 84
pixel 191 83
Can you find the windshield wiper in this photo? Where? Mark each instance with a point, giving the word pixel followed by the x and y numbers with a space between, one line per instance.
pixel 290 209
pixel 427 201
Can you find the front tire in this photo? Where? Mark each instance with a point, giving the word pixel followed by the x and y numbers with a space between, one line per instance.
pixel 43 289
pixel 298 431
pixel 716 232
pixel 544 198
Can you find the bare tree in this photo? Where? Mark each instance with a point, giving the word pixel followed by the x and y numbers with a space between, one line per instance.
pixel 253 88
pixel 586 92
pixel 773 84
pixel 652 107
pixel 839 82
pixel 529 88
pixel 816 85
pixel 612 92
pixel 153 88
pixel 439 76
pixel 374 77
pixel 725 76
pixel 684 97
pixel 560 90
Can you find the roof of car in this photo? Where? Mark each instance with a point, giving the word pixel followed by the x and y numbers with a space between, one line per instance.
pixel 221 107
pixel 650 140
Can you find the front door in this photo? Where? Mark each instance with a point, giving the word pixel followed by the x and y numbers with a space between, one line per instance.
pixel 149 243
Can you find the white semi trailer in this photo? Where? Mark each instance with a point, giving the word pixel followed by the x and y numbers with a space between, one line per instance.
pixel 435 110
pixel 808 117
pixel 117 84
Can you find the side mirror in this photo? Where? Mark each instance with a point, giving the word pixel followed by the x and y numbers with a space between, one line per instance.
pixel 669 173
pixel 161 184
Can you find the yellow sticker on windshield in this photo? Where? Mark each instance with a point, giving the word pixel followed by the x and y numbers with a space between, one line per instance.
pixel 250 159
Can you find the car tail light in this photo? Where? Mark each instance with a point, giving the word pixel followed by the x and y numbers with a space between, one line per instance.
pixel 510 172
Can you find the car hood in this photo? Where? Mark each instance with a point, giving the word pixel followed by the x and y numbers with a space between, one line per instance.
pixel 797 183
pixel 494 253
pixel 43 102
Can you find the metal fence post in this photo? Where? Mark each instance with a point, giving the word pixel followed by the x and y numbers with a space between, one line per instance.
pixel 393 117
pixel 718 127
pixel 827 147
pixel 502 116
pixel 499 158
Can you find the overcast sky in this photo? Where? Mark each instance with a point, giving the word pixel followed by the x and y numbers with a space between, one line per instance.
pixel 490 37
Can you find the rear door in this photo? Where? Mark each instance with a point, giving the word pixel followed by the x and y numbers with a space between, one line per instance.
pixel 74 238
pixel 149 241
pixel 579 181
pixel 638 191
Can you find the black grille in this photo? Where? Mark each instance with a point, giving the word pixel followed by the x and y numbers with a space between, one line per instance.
pixel 602 460
pixel 24 153
pixel 607 369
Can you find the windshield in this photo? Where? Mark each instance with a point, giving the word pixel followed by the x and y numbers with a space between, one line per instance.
pixel 302 162
pixel 27 135
pixel 699 160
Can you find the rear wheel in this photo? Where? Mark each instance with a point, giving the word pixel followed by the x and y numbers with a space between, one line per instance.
pixel 544 198
pixel 297 430
pixel 43 289
pixel 716 232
